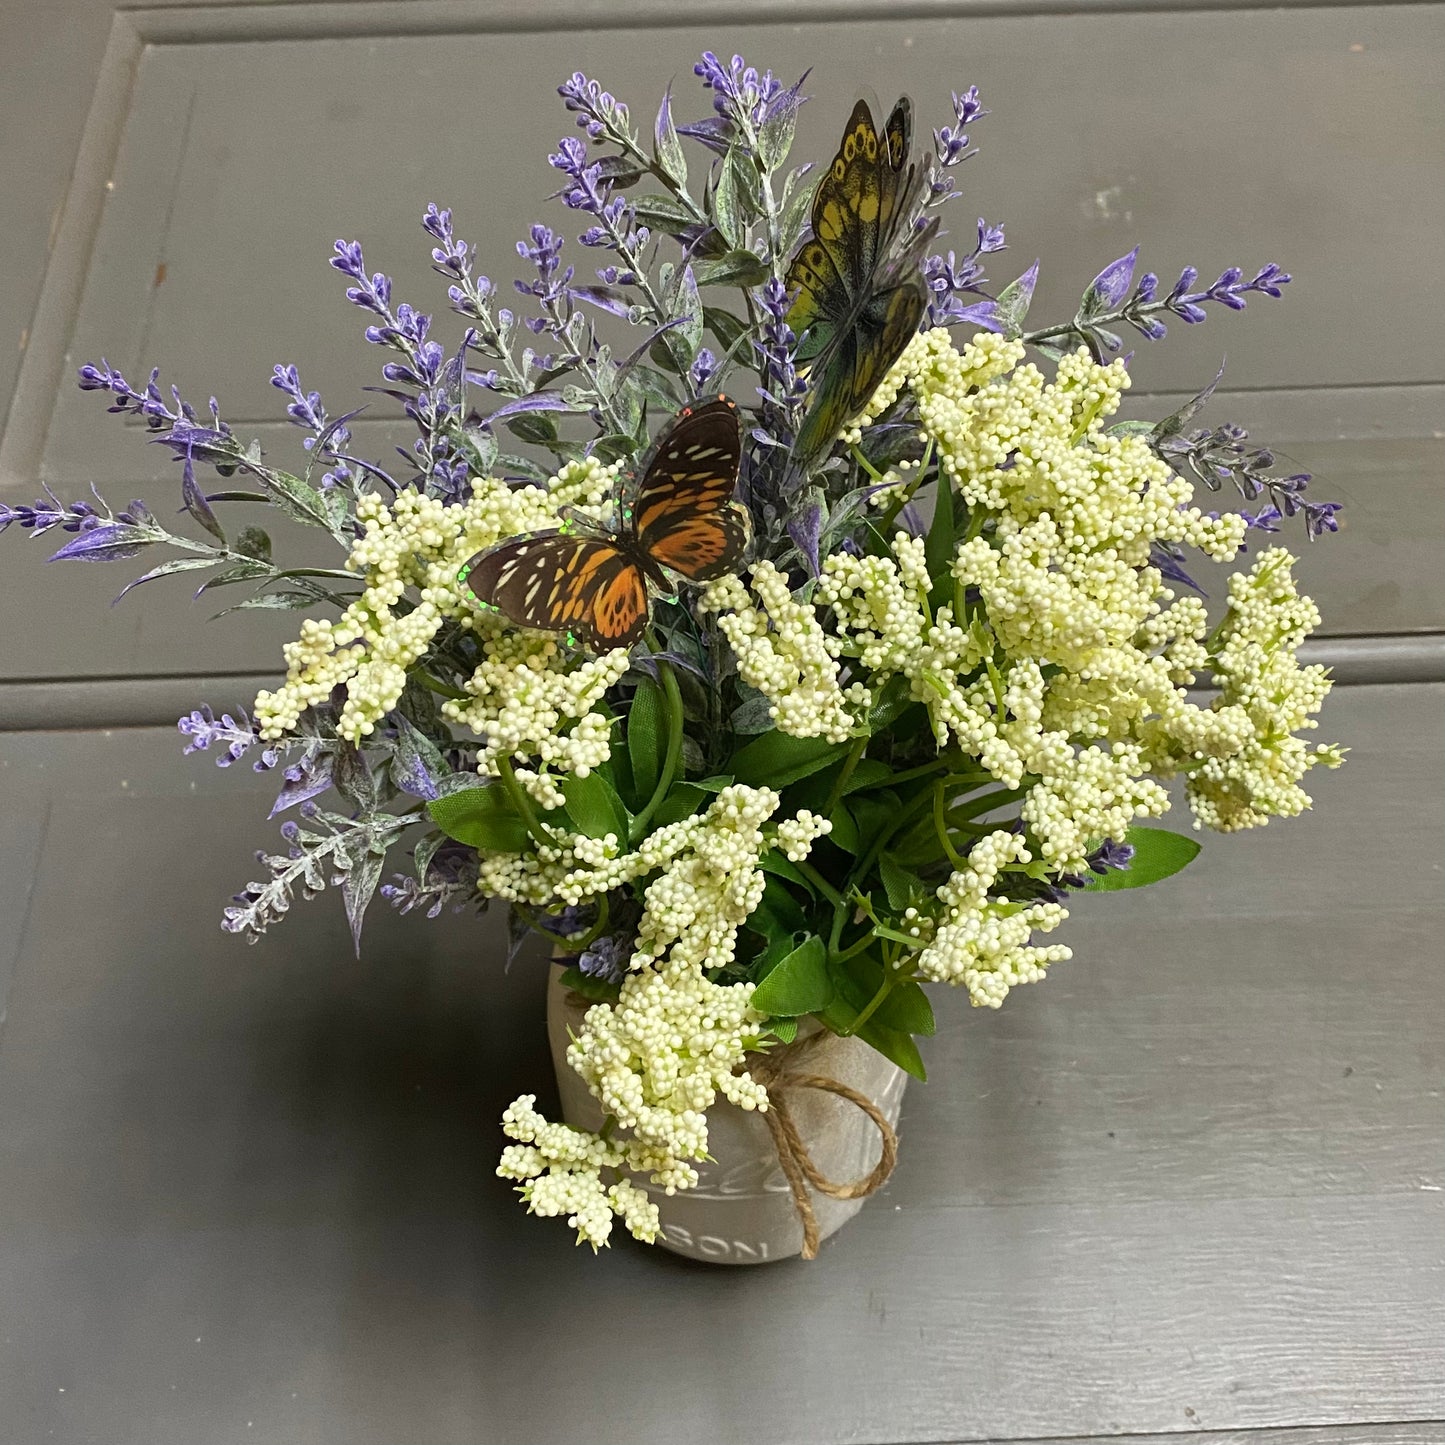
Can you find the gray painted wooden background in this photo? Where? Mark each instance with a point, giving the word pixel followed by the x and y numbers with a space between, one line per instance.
pixel 1192 1184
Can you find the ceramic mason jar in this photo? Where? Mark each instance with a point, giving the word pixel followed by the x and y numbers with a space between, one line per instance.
pixel 742 1210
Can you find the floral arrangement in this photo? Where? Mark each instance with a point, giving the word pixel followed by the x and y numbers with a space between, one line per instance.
pixel 911 654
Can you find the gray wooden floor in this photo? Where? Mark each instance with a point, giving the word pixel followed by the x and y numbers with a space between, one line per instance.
pixel 1194 1182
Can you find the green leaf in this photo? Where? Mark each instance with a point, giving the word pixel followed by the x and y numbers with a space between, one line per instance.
pixel 254 542
pixel 784 867
pixel 795 210
pixel 938 547
pixel 662 213
pixel 754 714
pixel 727 207
pixel 166 569
pixel 779 914
pixel 646 737
pixel 724 325
pixel 775 136
pixel 875 812
pixel 784 1030
pixel 735 268
pixel 239 572
pixel 481 818
pixel 869 773
pixel 298 499
pixel 776 759
pixel 686 305
pixel 904 887
pixel 594 807
pixel 682 801
pixel 798 984
pixel 1014 301
pixel 845 834
pixel 593 989
pixel 894 698
pixel 716 783
pixel 908 1010
pixel 284 600
pixel 669 147
pixel 895 1045
pixel 1158 854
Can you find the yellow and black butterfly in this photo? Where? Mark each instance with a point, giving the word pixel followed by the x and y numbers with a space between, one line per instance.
pixel 596 587
pixel 857 285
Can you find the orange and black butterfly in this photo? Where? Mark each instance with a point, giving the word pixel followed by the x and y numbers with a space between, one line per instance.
pixel 596 587
pixel 857 284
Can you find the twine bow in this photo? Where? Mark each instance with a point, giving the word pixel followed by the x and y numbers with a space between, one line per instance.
pixel 776 1073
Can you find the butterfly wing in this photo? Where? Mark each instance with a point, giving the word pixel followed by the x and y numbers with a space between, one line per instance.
pixel 560 582
pixel 859 294
pixel 684 515
pixel 856 368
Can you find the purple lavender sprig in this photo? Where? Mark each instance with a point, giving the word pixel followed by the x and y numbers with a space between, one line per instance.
pixel 430 388
pixel 784 393
pixel 1218 455
pixel 1108 301
pixel 471 295
pixel 231 737
pixel 951 279
pixel 449 879
pixel 742 97
pixel 349 852
pixel 951 147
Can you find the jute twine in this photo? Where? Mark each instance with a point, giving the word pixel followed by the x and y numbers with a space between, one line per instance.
pixel 779 1074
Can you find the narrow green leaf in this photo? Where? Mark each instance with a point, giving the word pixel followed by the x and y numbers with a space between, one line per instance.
pixel 669 148
pixel 784 1030
pixel 735 268
pixel 594 807
pixel 682 801
pixel 845 834
pixel 776 759
pixel 903 886
pixel 799 984
pixel 938 547
pixel 166 569
pixel 723 325
pixel 1158 854
pixel 727 207
pixel 593 989
pixel 779 914
pixel 646 737
pixel 784 867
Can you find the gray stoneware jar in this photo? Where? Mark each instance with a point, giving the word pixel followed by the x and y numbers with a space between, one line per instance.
pixel 741 1211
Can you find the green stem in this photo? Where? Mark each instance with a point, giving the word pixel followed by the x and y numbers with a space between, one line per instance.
pixel 906 494
pixel 890 978
pixel 586 940
pixel 672 698
pixel 841 781
pixel 440 688
pixel 821 884
pixel 867 465
pixel 940 825
pixel 517 794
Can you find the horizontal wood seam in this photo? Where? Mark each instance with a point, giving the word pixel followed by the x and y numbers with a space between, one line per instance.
pixel 65 704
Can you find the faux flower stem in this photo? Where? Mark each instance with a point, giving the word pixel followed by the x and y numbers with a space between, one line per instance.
pixel 940 824
pixel 517 795
pixel 890 979
pixel 855 752
pixel 672 698
pixel 821 884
